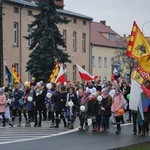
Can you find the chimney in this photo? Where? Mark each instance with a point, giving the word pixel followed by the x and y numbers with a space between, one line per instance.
pixel 59 3
pixel 103 22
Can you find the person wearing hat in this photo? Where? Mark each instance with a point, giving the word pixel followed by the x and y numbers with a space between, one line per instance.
pixel 93 109
pixel 83 114
pixel 2 104
pixel 28 106
pixel 17 95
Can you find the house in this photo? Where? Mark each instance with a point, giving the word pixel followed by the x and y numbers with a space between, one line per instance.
pixel 17 17
pixel 104 43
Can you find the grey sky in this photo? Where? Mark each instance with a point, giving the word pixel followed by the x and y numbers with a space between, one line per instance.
pixel 119 14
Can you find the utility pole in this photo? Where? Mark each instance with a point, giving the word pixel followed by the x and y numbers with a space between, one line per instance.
pixel 1 45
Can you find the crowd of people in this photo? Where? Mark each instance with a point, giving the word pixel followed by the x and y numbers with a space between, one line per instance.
pixel 65 102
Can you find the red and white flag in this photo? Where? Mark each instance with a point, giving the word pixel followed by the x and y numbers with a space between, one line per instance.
pixel 85 75
pixel 113 74
pixel 61 76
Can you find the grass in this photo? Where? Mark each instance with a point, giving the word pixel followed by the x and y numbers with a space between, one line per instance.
pixel 140 146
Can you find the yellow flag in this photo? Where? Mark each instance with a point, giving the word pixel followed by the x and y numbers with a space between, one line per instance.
pixel 138 45
pixel 137 77
pixel 144 63
pixel 54 73
pixel 15 76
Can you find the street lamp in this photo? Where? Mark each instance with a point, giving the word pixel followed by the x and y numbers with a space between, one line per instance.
pixel 144 25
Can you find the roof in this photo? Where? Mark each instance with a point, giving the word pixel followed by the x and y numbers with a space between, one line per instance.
pixel 63 11
pixel 98 30
pixel 71 13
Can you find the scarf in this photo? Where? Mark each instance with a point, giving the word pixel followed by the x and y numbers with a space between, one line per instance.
pixel 83 100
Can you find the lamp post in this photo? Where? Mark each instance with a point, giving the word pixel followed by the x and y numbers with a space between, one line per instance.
pixel 144 25
pixel 1 46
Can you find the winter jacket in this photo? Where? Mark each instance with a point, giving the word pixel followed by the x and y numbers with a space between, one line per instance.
pixel 106 103
pixel 39 98
pixel 93 107
pixel 117 103
pixel 2 103
pixel 17 95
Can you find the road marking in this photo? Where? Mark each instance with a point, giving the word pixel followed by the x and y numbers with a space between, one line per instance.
pixel 41 137
pixel 122 125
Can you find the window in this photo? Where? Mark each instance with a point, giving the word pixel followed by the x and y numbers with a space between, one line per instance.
pixel 83 67
pixel 84 22
pixel 93 61
pixel 74 41
pixel 75 21
pixel 74 72
pixel 65 37
pixel 15 38
pixel 83 42
pixel 16 66
pixel 105 62
pixel 65 68
pixel 100 61
pixel 112 37
pixel 30 12
pixel 65 18
pixel 16 10
pixel 29 30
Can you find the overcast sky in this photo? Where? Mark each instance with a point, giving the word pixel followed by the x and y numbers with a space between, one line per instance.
pixel 119 14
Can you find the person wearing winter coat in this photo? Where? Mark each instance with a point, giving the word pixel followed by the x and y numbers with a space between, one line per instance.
pixel 2 104
pixel 28 105
pixel 60 97
pixel 93 109
pixel 17 104
pixel 117 104
pixel 105 110
pixel 71 110
pixel 83 114
pixel 50 104
pixel 38 102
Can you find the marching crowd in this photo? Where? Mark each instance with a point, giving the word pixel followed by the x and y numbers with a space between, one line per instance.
pixel 54 102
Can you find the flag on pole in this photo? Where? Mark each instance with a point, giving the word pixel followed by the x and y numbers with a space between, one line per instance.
pixel 61 78
pixel 8 75
pixel 144 63
pixel 144 74
pixel 138 45
pixel 85 75
pixel 113 74
pixel 54 74
pixel 137 76
pixel 15 76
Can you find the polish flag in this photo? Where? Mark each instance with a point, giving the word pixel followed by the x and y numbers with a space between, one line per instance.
pixel 85 75
pixel 113 74
pixel 61 76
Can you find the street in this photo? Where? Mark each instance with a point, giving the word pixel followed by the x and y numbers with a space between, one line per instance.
pixel 46 138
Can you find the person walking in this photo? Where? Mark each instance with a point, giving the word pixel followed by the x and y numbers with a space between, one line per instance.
pixel 117 104
pixel 17 104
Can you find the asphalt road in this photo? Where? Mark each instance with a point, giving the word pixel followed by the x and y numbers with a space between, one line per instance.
pixel 62 139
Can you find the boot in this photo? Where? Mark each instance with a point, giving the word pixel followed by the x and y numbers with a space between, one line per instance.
pixel 57 123
pixel 11 123
pixel 35 124
pixel 65 124
pixel 28 124
pixel 39 125
pixel 4 125
pixel 19 124
pixel 71 127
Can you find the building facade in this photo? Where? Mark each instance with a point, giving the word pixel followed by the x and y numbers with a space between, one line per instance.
pixel 17 16
pixel 104 43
